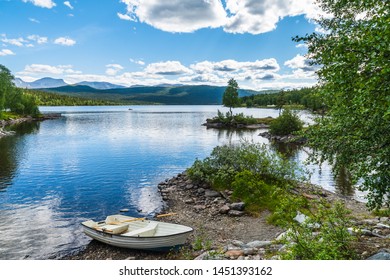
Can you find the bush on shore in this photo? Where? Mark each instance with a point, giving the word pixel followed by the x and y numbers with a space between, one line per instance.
pixel 287 123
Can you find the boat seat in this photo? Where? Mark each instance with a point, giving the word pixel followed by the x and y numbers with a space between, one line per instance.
pixel 115 229
pixel 147 231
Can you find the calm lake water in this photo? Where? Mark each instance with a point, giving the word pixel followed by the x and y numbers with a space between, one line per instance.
pixel 94 161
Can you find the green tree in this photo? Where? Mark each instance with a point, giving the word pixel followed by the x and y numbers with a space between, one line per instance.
pixel 354 79
pixel 6 85
pixel 230 96
pixel 14 98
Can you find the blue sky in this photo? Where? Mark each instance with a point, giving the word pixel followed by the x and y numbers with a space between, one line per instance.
pixel 151 42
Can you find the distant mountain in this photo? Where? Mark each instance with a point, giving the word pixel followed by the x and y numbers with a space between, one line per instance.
pixel 173 95
pixel 41 83
pixel 99 85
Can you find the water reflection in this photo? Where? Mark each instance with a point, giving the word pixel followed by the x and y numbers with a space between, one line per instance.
pixel 12 151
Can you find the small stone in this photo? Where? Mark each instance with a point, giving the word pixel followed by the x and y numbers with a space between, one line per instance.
pixel 258 244
pixel 200 190
pixel 381 225
pixel 189 201
pixel 211 193
pixel 130 259
pixel 235 213
pixel 238 243
pixel 239 206
pixel 250 251
pixel 224 209
pixel 234 253
pixel 199 207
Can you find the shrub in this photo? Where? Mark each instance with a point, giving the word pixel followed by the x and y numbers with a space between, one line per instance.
pixel 288 122
pixel 331 241
pixel 225 162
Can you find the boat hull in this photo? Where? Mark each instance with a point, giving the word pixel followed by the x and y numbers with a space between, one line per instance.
pixel 155 243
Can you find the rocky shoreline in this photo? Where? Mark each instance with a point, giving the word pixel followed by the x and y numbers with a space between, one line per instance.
pixel 222 229
pixel 12 122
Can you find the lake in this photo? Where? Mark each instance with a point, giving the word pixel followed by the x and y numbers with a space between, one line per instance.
pixel 94 161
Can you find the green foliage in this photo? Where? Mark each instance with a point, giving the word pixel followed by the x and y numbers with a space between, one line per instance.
pixel 324 236
pixel 355 83
pixel 257 194
pixel 230 119
pixel 230 96
pixel 287 123
pixel 225 162
pixel 256 175
pixel 13 98
pixel 305 97
pixel 53 99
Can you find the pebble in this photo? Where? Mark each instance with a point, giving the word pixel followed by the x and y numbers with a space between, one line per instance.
pixel 224 209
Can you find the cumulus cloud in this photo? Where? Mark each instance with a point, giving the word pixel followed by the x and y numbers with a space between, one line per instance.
pixel 167 68
pixel 5 52
pixel 300 62
pixel 258 75
pixel 19 42
pixel 237 16
pixel 37 69
pixel 42 3
pixel 113 69
pixel 176 15
pixel 65 41
pixel 39 39
pixel 139 61
pixel 126 17
pixel 68 4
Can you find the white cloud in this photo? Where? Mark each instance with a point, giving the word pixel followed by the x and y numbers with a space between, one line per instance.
pixel 5 52
pixel 37 69
pixel 176 15
pixel 113 69
pixel 139 62
pixel 42 3
pixel 19 42
pixel 34 20
pixel 238 16
pixel 39 39
pixel 167 68
pixel 126 17
pixel 65 41
pixel 259 74
pixel 300 62
pixel 68 4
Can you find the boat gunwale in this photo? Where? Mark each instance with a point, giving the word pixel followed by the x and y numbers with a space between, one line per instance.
pixel 138 237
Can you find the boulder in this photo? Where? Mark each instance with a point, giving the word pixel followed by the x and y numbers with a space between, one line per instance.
pixel 237 206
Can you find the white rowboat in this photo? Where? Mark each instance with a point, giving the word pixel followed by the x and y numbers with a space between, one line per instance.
pixel 137 233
